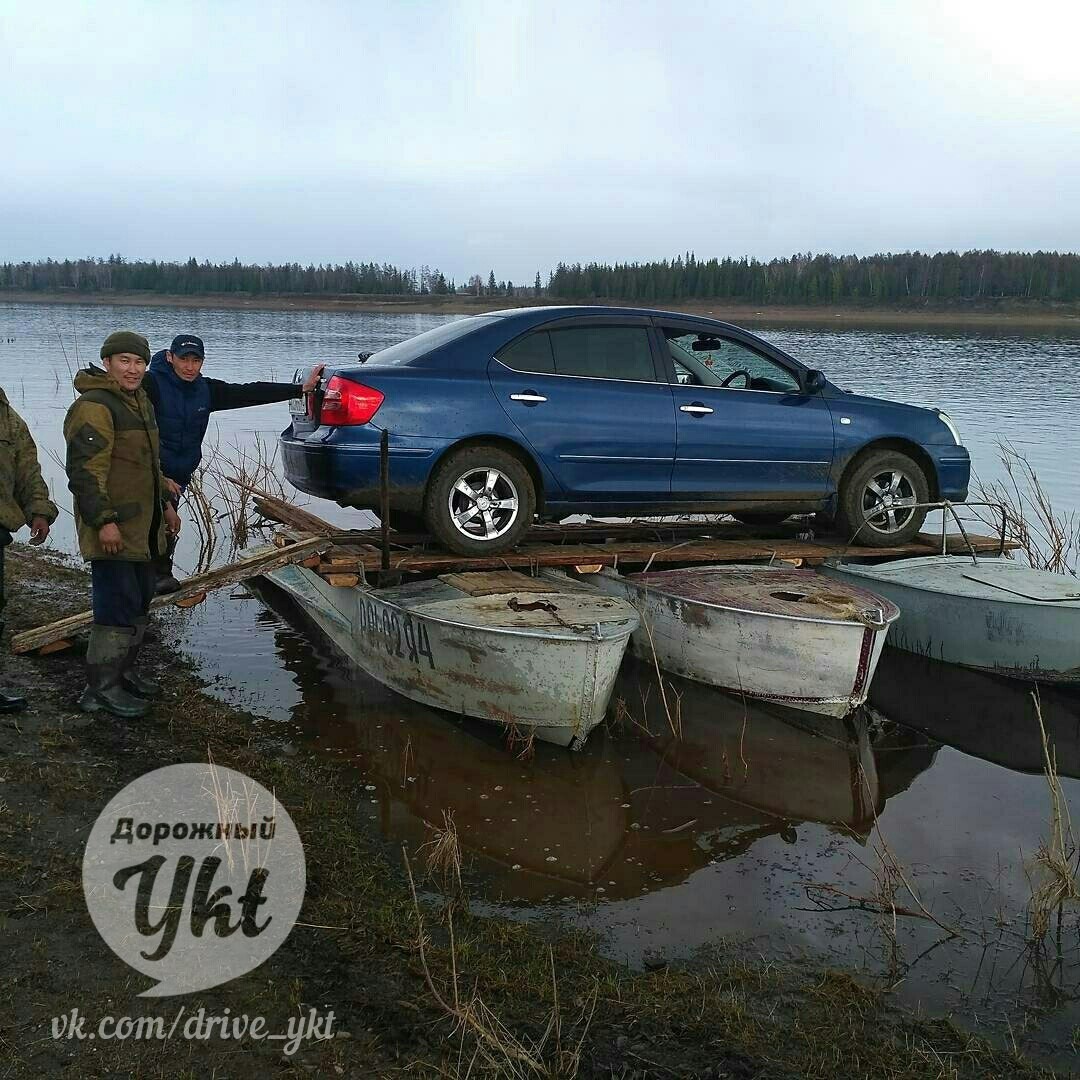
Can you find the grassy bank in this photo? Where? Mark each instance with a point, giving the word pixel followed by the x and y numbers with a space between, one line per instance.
pixel 357 950
pixel 1016 315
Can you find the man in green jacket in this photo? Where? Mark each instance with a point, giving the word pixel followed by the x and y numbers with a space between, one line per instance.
pixel 24 500
pixel 123 517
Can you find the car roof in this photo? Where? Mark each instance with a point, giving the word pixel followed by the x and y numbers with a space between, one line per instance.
pixel 547 312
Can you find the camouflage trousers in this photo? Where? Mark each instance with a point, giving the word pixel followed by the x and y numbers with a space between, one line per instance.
pixel 5 539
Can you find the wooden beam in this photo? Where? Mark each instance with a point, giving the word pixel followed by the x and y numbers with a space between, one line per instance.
pixel 285 513
pixel 248 567
pixel 637 553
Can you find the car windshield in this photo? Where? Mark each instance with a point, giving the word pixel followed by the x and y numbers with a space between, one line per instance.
pixel 406 351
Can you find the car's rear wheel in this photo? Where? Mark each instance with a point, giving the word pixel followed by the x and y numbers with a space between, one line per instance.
pixel 877 504
pixel 480 501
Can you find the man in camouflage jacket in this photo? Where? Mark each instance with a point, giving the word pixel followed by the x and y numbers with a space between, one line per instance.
pixel 122 514
pixel 24 500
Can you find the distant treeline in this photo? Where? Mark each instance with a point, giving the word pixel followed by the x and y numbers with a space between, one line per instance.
pixel 906 279
pixel 910 278
pixel 117 274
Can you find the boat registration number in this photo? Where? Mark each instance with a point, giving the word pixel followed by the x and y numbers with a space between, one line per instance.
pixel 397 632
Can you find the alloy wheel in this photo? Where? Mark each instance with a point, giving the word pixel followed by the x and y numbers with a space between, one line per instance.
pixel 483 504
pixel 889 501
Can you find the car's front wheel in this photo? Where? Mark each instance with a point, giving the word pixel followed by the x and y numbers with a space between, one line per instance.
pixel 878 501
pixel 480 501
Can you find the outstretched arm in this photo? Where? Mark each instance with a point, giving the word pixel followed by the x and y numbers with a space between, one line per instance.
pixel 225 395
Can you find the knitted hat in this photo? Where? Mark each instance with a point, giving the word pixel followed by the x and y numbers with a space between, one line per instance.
pixel 126 341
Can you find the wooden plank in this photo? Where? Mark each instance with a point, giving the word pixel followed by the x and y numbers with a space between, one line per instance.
pixel 292 516
pixel 486 582
pixel 595 530
pixel 343 581
pixel 285 513
pixel 811 553
pixel 240 570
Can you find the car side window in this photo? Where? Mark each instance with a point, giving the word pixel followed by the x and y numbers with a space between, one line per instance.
pixel 530 353
pixel 604 352
pixel 734 364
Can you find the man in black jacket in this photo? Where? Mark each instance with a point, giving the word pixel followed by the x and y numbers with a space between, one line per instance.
pixel 183 399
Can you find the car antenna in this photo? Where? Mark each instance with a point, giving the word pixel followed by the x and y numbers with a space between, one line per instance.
pixel 362 356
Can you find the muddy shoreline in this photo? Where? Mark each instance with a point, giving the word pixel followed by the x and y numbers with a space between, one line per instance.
pixel 1013 315
pixel 356 950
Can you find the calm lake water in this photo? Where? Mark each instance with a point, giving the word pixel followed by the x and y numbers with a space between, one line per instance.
pixel 757 819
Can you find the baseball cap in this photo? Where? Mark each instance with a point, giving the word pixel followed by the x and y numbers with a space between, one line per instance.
pixel 187 345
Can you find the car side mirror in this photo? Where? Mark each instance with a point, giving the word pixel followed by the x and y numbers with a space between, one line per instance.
pixel 814 381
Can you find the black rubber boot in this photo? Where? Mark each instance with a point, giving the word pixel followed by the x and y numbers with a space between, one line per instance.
pixel 106 659
pixel 10 702
pixel 165 580
pixel 163 570
pixel 131 679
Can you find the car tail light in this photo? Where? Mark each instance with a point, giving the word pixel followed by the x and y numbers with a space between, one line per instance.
pixel 348 402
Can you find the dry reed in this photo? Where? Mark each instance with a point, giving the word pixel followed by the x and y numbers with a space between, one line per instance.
pixel 1058 858
pixel 487 1043
pixel 442 854
pixel 1049 538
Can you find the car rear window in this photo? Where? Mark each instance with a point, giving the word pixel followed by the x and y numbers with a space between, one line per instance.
pixel 408 350
pixel 604 352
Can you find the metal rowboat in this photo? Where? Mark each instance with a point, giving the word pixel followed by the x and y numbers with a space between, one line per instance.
pixel 782 635
pixel 537 656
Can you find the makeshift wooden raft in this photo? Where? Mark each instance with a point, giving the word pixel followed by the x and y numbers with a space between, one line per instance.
pixel 357 555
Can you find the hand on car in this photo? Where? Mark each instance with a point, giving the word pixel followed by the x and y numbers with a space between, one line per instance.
pixel 112 543
pixel 39 530
pixel 313 378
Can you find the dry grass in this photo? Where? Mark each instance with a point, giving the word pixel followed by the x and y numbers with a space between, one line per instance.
pixel 890 880
pixel 205 518
pixel 221 512
pixel 1049 538
pixel 234 475
pixel 442 854
pixel 1057 860
pixel 521 741
pixel 486 1044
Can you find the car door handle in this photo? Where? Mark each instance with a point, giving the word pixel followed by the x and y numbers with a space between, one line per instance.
pixel 696 409
pixel 530 397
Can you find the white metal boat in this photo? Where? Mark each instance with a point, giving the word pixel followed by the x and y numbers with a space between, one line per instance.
pixel 536 655
pixel 777 634
pixel 994 614
pixel 771 633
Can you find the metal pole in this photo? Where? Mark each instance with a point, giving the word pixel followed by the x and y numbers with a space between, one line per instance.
pixel 384 496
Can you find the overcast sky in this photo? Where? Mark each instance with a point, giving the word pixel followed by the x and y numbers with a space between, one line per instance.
pixel 508 136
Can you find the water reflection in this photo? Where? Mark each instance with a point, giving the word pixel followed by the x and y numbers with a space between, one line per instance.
pixel 640 809
pixel 986 715
pixel 712 836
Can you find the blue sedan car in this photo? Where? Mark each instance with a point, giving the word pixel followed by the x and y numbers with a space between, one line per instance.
pixel 497 419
